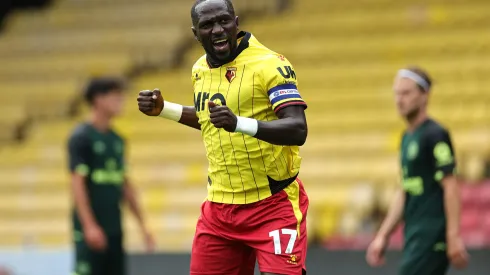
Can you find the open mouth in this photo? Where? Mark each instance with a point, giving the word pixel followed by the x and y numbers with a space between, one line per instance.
pixel 221 45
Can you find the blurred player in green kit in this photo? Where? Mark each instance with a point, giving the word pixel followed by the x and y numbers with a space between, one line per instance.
pixel 100 185
pixel 428 203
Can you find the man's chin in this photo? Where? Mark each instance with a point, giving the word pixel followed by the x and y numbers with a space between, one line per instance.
pixel 223 56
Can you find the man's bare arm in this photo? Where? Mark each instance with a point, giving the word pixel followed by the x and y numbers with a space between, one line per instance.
pixel 452 205
pixel 82 201
pixel 151 103
pixel 189 117
pixel 289 129
pixel 394 215
pixel 133 203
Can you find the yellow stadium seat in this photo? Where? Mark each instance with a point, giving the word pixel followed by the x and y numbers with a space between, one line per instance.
pixel 345 73
pixel 326 224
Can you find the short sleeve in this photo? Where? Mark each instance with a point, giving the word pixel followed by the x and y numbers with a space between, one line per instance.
pixel 281 83
pixel 442 153
pixel 79 153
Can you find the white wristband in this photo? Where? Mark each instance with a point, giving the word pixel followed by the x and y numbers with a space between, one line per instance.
pixel 172 111
pixel 247 125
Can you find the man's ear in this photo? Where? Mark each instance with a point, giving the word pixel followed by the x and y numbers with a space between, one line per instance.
pixel 237 22
pixel 195 34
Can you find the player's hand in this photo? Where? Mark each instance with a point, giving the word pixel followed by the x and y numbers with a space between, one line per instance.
pixel 375 253
pixel 222 117
pixel 150 103
pixel 150 243
pixel 456 252
pixel 95 238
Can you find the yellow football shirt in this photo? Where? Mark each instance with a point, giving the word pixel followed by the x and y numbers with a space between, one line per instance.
pixel 257 84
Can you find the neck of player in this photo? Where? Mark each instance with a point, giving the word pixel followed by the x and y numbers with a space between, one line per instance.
pixel 100 121
pixel 241 44
pixel 214 62
pixel 417 120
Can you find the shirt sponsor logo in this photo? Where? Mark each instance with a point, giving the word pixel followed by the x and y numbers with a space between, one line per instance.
pixel 281 93
pixel 285 92
pixel 414 186
pixel 287 72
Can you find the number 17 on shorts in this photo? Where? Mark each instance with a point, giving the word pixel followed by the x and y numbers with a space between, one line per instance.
pixel 285 252
pixel 276 237
pixel 283 241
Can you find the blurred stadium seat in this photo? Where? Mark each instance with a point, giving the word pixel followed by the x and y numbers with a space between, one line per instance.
pixel 345 55
pixel 47 56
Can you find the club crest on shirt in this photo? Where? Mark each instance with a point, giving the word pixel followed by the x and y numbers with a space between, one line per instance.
pixel 412 150
pixel 230 73
pixel 99 147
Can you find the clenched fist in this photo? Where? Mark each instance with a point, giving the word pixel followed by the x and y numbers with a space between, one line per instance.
pixel 150 103
pixel 222 117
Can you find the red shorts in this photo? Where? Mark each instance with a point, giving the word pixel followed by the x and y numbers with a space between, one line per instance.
pixel 230 238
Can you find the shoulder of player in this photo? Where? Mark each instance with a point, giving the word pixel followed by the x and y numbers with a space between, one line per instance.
pixel 257 51
pixel 267 62
pixel 200 63
pixel 435 130
pixel 117 136
pixel 81 131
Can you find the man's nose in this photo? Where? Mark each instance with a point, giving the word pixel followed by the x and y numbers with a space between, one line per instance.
pixel 217 28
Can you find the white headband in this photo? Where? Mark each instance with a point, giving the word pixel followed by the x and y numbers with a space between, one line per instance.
pixel 415 77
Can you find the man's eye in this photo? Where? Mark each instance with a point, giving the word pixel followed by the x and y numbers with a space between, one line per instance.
pixel 225 21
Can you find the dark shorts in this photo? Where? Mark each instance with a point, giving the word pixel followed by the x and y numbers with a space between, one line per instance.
pixel 230 238
pixel 110 262
pixel 424 263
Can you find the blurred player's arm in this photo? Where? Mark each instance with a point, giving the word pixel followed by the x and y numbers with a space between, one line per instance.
pixel 79 150
pixel 82 202
pixel 130 196
pixel 375 252
pixel 394 216
pixel 151 103
pixel 452 205
pixel 445 164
